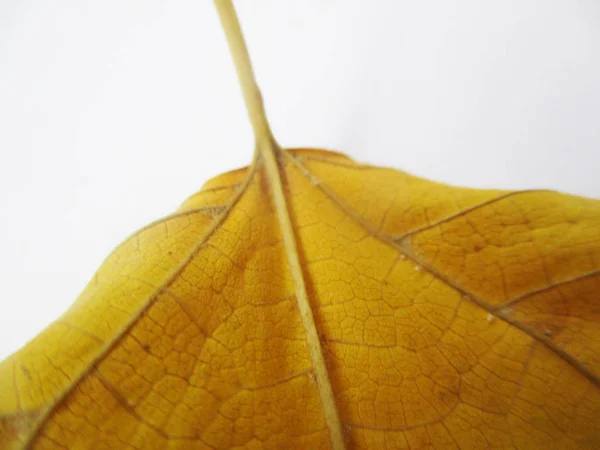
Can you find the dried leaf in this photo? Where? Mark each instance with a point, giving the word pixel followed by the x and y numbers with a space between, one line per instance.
pixel 312 302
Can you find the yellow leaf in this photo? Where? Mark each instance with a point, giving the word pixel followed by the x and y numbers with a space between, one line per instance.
pixel 309 301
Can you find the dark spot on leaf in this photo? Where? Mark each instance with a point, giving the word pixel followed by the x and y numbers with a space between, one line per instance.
pixel 26 372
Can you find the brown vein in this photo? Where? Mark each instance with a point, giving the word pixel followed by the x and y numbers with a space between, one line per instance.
pixel 465 212
pixel 548 288
pixel 109 345
pixel 501 314
pixel 207 210
pixel 80 330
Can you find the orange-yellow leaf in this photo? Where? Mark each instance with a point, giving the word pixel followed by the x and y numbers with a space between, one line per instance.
pixel 448 317
pixel 310 302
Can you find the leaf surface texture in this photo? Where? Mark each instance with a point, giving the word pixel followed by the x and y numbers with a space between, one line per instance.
pixel 447 317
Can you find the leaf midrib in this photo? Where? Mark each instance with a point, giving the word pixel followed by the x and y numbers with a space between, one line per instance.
pixel 313 341
pixel 267 147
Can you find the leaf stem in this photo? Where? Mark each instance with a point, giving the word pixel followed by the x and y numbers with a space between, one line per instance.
pixel 245 73
pixel 269 150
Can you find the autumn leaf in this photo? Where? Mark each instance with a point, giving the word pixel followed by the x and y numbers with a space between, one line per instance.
pixel 308 301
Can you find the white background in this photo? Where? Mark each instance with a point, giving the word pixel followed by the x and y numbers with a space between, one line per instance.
pixel 112 112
